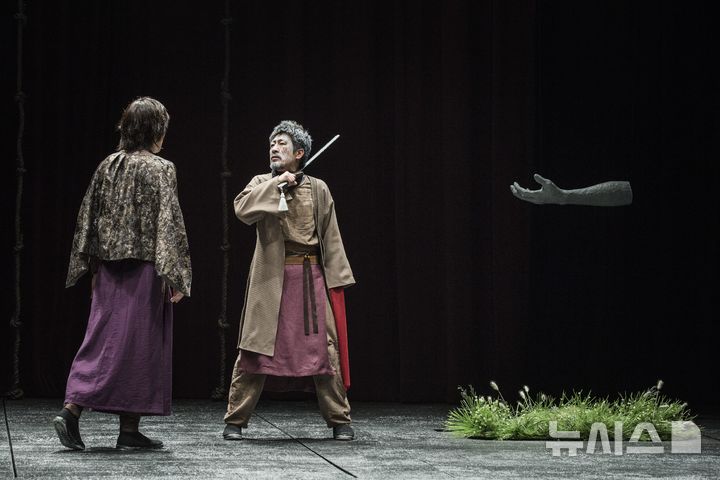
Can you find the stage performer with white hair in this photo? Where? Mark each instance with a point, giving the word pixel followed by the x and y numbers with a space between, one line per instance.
pixel 292 332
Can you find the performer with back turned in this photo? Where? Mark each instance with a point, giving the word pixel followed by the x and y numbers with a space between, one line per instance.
pixel 294 304
pixel 130 235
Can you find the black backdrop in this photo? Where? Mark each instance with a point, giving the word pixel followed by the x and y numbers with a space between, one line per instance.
pixel 440 106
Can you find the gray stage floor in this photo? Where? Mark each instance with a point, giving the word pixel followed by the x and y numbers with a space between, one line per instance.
pixel 392 442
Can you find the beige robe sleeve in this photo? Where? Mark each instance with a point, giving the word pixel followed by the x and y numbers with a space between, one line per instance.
pixel 259 198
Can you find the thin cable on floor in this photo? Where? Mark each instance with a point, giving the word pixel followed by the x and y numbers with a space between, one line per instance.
pixel 7 427
pixel 301 443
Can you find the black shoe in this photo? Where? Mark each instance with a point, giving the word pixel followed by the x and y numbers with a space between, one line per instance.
pixel 132 440
pixel 343 432
pixel 232 432
pixel 68 430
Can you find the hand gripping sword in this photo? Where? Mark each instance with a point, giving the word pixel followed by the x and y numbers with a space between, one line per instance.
pixel 282 207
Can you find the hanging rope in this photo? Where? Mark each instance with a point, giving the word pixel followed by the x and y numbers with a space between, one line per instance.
pixel 16 390
pixel 220 391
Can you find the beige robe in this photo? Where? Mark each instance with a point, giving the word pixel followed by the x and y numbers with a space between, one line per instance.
pixel 258 204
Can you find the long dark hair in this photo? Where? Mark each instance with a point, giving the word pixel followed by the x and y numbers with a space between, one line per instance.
pixel 143 122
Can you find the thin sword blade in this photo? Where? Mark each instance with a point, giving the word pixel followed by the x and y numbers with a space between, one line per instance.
pixel 320 151
pixel 283 184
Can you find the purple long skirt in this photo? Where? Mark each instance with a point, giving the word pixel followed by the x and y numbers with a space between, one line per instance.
pixel 125 361
pixel 296 354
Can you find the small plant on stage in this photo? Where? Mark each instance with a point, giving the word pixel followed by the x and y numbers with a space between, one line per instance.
pixel 529 418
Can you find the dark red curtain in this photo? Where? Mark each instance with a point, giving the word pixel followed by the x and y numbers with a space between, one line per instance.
pixel 440 107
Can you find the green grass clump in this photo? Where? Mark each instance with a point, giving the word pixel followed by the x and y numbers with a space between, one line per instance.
pixel 529 419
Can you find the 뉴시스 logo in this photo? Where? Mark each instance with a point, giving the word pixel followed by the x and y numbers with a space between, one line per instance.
pixel 685 438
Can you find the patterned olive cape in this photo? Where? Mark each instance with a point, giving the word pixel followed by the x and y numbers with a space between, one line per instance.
pixel 131 210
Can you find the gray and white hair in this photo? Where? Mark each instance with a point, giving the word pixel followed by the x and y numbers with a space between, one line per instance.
pixel 300 137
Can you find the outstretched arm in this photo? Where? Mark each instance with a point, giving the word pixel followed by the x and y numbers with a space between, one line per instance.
pixel 607 194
